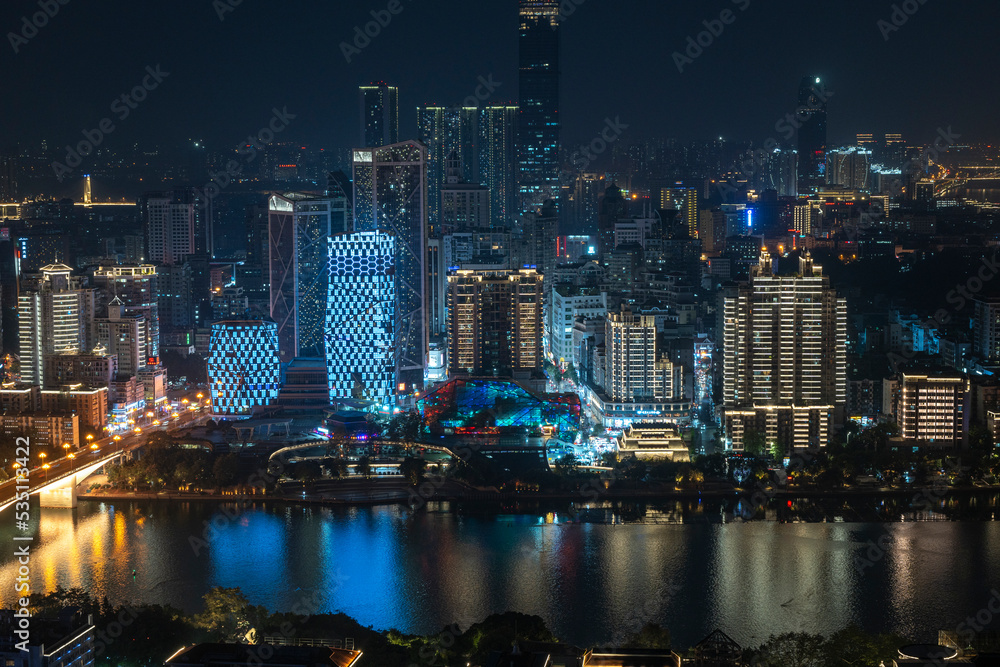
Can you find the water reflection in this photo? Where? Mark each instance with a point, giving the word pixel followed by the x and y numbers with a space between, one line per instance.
pixel 593 572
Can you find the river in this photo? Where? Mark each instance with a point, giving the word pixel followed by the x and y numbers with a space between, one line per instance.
pixel 594 577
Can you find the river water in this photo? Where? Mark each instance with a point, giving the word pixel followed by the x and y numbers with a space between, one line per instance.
pixel 593 576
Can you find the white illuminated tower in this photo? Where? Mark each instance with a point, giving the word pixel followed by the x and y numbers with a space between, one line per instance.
pixel 784 357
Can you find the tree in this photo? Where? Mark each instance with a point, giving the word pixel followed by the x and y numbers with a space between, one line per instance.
pixel 777 451
pixel 336 467
pixel 228 614
pixel 307 471
pixel 567 464
pixel 364 467
pixel 754 442
pixel 651 636
pixel 225 469
pixel 413 469
pixel 792 649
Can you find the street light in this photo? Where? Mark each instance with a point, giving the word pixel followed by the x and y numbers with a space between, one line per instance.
pixel 46 469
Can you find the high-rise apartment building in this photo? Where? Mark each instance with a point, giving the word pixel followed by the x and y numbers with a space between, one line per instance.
pixel 986 328
pixel 496 160
pixel 55 316
pixel 636 371
pixel 463 205
pixel 930 408
pixel 684 200
pixel 121 335
pixel 379 115
pixel 812 135
pixel 137 287
pixel 390 195
pixel 538 85
pixel 299 225
pixel 495 323
pixel 170 220
pixel 362 318
pixel 784 357
pixel 446 130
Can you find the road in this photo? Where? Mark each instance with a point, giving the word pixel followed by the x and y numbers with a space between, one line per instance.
pixel 86 456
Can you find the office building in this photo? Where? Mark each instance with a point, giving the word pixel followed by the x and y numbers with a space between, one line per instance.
pixel 299 225
pixel 812 135
pixel 88 369
pixel 495 323
pixel 930 408
pixel 390 195
pixel 55 316
pixel 496 161
pixel 362 318
pixel 849 168
pixel 244 371
pixel 784 357
pixel 379 115
pixel 538 85
pixel 538 246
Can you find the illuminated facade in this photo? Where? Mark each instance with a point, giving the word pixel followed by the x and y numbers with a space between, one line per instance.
pixel 361 318
pixel 379 115
pixel 931 409
pixel 635 371
pixel 784 357
pixel 538 83
pixel 390 194
pixel 445 130
pixel 298 228
pixel 55 315
pixel 685 202
pixel 244 371
pixel 137 288
pixel 495 322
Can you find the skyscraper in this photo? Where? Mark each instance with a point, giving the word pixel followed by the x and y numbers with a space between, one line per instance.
pixel 379 115
pixel 445 130
pixel 172 226
pixel 244 371
pixel 496 160
pixel 539 123
pixel 55 315
pixel 464 205
pixel 121 334
pixel 636 371
pixel 812 135
pixel 298 229
pixel 495 322
pixel 361 317
pixel 785 357
pixel 390 195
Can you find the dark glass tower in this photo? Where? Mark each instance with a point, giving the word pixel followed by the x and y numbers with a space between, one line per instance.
pixel 538 81
pixel 379 115
pixel 812 135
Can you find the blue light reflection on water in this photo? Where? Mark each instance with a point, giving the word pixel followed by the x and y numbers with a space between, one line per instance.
pixel 418 572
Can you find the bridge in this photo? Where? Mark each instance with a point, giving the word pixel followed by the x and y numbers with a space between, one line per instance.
pixel 282 455
pixel 56 485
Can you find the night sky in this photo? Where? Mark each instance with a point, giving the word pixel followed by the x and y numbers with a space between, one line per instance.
pixel 939 69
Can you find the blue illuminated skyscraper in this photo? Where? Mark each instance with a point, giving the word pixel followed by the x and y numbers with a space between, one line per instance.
pixel 243 367
pixel 361 312
pixel 538 82
pixel 390 194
